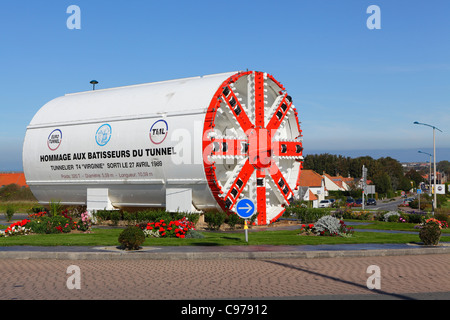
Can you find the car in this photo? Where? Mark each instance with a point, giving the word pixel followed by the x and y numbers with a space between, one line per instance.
pixel 371 202
pixel 324 203
pixel 358 202
pixel 350 202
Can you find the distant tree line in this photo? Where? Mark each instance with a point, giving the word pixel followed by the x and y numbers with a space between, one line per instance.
pixel 385 173
pixel 443 166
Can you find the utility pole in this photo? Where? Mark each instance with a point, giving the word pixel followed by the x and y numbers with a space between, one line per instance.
pixel 364 183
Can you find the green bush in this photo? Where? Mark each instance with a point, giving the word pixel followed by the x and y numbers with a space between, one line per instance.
pixel 9 212
pixel 393 218
pixel 49 225
pixel 215 219
pixel 413 218
pixel 193 217
pixel 430 233
pixel 234 219
pixel 131 238
pixel 348 213
pixel 307 214
pixel 55 208
pixel 37 209
pixel 115 217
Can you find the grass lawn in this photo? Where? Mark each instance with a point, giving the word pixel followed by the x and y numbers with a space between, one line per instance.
pixel 108 237
pixel 381 225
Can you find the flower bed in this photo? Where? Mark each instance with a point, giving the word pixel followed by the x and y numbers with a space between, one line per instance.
pixel 42 223
pixel 16 228
pixel 327 226
pixel 162 228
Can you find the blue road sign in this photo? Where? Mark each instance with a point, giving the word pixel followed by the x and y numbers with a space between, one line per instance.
pixel 245 208
pixel 419 191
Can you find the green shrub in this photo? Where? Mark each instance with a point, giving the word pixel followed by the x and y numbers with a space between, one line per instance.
pixel 9 212
pixel 308 214
pixel 115 216
pixel 430 233
pixel 131 238
pixel 37 209
pixel 379 215
pixel 413 218
pixel 55 208
pixel 215 219
pixel 48 225
pixel 193 217
pixel 234 219
pixel 393 218
pixel 348 213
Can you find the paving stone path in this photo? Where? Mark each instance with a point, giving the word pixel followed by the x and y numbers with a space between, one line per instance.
pixel 23 279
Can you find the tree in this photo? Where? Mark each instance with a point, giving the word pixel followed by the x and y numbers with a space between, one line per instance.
pixel 383 183
pixel 382 170
pixel 443 166
pixel 414 176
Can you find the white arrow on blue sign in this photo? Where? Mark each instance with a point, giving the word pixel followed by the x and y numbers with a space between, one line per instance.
pixel 245 208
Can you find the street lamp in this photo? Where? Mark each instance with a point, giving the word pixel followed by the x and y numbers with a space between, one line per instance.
pixel 429 177
pixel 434 158
pixel 93 82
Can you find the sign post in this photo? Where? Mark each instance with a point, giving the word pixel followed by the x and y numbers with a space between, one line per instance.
pixel 419 191
pixel 245 208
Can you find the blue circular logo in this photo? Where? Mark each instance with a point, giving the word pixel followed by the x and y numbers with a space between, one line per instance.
pixel 158 131
pixel 54 139
pixel 103 134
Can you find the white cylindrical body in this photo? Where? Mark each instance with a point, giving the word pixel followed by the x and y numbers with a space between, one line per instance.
pixel 135 142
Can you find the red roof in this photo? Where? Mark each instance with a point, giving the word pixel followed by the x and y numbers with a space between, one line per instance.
pixel 309 178
pixel 312 196
pixel 13 178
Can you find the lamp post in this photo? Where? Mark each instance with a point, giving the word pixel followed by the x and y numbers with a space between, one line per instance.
pixel 93 82
pixel 434 158
pixel 429 177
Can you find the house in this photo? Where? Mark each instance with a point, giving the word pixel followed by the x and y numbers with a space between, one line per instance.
pixel 333 183
pixel 311 187
pixel 337 183
pixel 13 178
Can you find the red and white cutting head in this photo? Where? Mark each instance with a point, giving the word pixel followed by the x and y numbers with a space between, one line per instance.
pixel 252 146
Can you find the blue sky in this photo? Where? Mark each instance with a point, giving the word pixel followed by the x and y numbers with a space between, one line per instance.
pixel 355 88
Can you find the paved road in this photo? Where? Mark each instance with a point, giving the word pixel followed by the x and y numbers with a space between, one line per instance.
pixel 401 277
pixel 387 204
